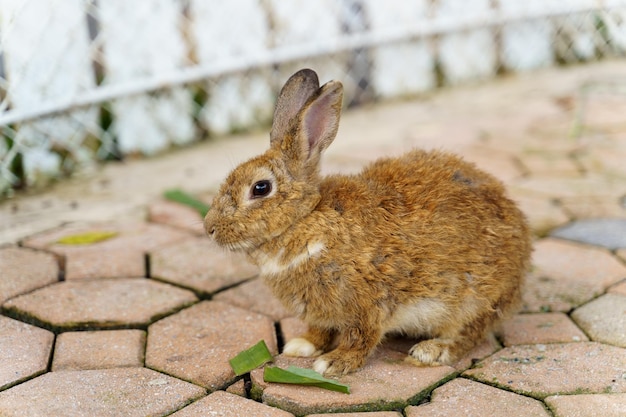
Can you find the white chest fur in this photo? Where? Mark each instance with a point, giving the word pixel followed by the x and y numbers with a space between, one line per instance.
pixel 281 262
pixel 419 318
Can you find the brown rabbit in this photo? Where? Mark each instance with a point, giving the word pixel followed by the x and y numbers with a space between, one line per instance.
pixel 424 245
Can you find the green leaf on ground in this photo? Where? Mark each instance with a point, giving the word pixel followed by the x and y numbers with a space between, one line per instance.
pixel 86 238
pixel 182 197
pixel 251 358
pixel 301 376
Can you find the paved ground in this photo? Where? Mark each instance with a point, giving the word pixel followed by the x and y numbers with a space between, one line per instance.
pixel 143 323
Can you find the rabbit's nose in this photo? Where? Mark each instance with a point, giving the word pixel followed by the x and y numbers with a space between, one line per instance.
pixel 209 224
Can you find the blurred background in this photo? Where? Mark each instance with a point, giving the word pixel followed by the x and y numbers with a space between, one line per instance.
pixel 85 81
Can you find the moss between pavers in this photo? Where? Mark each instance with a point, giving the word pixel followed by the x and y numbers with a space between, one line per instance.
pixel 27 318
pixel 300 411
pixel 533 394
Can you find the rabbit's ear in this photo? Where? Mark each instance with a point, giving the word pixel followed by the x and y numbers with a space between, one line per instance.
pixel 318 123
pixel 298 89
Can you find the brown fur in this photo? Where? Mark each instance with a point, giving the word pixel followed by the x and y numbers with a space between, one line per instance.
pixel 425 244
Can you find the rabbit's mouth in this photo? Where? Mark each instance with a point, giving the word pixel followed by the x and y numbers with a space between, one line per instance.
pixel 242 245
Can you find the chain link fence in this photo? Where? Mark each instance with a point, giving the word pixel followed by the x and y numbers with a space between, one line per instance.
pixel 83 81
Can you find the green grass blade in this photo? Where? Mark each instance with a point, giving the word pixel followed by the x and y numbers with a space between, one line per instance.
pixel 182 197
pixel 251 358
pixel 86 238
pixel 301 376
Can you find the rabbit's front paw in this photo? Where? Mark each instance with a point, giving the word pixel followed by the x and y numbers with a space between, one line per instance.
pixel 337 363
pixel 431 352
pixel 301 347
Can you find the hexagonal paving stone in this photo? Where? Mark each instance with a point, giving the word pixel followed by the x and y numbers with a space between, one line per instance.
pixel 622 254
pixel 176 215
pixel 221 403
pixel 590 185
pixel 24 351
pixel 542 214
pixel 101 303
pixel 363 414
pixel 201 265
pixel 618 288
pixel 568 274
pixel 292 327
pixel 386 382
pixel 604 319
pixel 23 270
pixel 122 255
pixel 467 398
pixel 238 388
pixel 195 344
pixel 498 163
pixel 99 350
pixel 610 233
pixel 592 207
pixel 255 296
pixel 524 329
pixel 563 368
pixel 584 405
pixel 551 163
pixel 103 392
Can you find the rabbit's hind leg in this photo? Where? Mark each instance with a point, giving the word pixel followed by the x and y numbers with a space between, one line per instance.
pixel 432 352
pixel 451 347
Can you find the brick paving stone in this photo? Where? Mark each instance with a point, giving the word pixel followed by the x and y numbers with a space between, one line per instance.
pixel 486 348
pixel 589 207
pixel 223 404
pixel 622 254
pixel 608 161
pixel 619 288
pixel 549 163
pixel 99 350
pixel 201 265
pixel 603 110
pixel 24 351
pixel 609 233
pixel 386 382
pixel 499 163
pixel 604 319
pixel 103 392
pixel 591 185
pixel 120 256
pixel 238 388
pixel 543 214
pixel 23 270
pixel 585 405
pixel 292 327
pixel 567 274
pixel 101 303
pixel 255 296
pixel 525 329
pixel 462 397
pixel 195 344
pixel 562 368
pixel 357 414
pixel 176 215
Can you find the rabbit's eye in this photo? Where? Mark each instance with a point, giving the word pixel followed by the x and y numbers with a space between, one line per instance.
pixel 261 188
